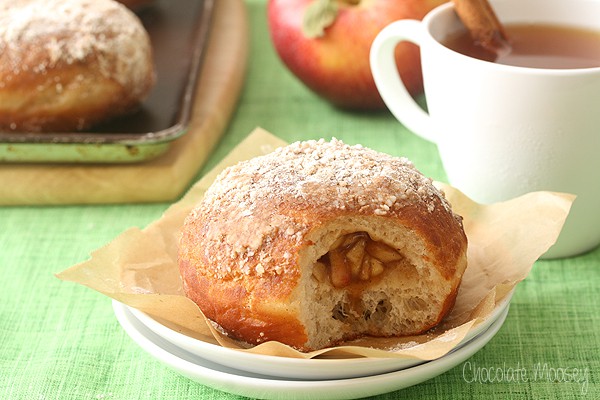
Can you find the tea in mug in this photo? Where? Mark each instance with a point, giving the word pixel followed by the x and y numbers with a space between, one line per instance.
pixel 537 46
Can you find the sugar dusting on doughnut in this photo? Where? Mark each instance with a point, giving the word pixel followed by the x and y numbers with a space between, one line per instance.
pixel 323 175
pixel 40 38
pixel 68 31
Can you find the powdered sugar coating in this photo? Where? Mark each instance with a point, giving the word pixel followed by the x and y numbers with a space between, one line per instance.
pixel 254 202
pixel 38 35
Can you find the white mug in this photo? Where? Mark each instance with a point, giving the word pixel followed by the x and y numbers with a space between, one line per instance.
pixel 503 131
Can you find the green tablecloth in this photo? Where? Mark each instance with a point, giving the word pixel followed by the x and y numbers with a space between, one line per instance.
pixel 61 341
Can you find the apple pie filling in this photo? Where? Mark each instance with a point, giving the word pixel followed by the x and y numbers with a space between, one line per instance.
pixel 353 259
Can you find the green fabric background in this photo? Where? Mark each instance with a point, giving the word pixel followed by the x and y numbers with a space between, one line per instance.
pixel 61 341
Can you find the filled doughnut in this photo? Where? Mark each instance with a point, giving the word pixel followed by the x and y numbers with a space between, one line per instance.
pixel 66 65
pixel 321 242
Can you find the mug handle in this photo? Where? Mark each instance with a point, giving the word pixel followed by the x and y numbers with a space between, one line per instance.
pixel 388 81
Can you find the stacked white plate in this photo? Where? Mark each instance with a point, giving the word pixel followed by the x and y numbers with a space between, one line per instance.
pixel 272 377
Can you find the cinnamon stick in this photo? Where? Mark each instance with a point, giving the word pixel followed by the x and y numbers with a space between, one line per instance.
pixel 483 24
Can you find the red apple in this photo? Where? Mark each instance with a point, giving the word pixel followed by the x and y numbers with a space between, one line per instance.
pixel 328 49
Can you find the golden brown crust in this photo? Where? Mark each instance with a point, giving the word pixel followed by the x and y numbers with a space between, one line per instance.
pixel 240 248
pixel 69 64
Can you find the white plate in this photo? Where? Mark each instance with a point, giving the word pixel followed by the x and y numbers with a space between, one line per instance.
pixel 287 367
pixel 254 385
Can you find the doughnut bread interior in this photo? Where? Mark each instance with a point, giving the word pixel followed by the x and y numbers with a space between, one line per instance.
pixel 66 65
pixel 321 242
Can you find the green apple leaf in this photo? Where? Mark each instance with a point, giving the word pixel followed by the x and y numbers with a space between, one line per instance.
pixel 319 15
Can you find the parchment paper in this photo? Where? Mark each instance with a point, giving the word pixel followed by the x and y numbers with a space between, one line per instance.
pixel 139 267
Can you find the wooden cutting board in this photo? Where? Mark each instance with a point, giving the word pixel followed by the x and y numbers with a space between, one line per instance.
pixel 164 178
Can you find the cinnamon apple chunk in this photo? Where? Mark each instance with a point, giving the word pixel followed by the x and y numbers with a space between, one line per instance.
pixel 355 258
